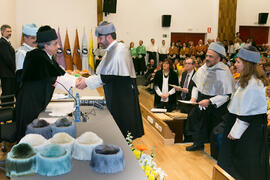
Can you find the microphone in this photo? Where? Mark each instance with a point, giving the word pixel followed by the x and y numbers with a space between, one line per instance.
pixel 82 115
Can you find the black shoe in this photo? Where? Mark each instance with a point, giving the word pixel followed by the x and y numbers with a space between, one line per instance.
pixel 186 140
pixel 195 147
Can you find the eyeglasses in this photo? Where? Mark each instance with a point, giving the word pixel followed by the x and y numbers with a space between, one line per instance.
pixel 188 63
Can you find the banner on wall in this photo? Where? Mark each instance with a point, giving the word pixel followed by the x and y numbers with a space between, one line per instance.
pixel 67 53
pixel 91 56
pixel 84 52
pixel 76 53
pixel 60 59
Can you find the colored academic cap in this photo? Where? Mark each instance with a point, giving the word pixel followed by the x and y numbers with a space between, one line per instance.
pixel 30 29
pixel 104 28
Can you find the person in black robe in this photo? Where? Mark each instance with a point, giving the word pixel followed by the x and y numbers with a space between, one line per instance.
pixel 117 75
pixel 40 71
pixel 214 85
pixel 244 149
pixel 165 96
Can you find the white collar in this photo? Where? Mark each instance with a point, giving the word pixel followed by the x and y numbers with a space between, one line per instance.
pixel 108 48
pixel 50 56
pixel 6 39
pixel 29 47
pixel 190 73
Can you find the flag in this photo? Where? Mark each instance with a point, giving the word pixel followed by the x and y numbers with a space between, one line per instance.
pixel 76 53
pixel 60 59
pixel 85 65
pixel 91 56
pixel 22 41
pixel 67 54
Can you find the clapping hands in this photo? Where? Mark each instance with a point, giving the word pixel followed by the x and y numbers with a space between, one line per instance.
pixel 80 83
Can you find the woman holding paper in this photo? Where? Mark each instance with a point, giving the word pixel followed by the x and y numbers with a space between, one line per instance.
pixel 244 151
pixel 165 96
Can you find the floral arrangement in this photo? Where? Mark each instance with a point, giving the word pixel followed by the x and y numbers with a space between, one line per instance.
pixel 146 161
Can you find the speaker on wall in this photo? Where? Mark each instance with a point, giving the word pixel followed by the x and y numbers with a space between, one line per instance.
pixel 262 18
pixel 166 20
pixel 109 6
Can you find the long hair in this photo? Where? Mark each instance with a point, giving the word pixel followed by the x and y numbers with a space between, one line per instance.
pixel 169 62
pixel 251 69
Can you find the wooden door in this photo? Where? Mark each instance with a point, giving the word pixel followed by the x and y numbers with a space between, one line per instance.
pixel 258 33
pixel 185 37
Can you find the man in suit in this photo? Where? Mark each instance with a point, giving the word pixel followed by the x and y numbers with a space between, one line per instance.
pixel 186 85
pixel 7 63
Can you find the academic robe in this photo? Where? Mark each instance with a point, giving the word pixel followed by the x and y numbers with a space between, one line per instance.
pixel 247 158
pixel 216 84
pixel 117 75
pixel 38 77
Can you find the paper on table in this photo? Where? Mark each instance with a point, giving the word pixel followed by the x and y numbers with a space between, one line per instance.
pixel 92 98
pixel 187 102
pixel 158 110
pixel 67 80
pixel 60 109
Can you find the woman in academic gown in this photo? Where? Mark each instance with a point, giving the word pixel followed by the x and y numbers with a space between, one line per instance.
pixel 244 150
pixel 39 75
pixel 165 96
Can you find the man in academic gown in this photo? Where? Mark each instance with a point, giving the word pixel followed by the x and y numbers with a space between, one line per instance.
pixel 40 71
pixel 117 75
pixel 29 43
pixel 214 85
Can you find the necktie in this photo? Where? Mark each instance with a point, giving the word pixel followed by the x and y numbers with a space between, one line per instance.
pixel 183 95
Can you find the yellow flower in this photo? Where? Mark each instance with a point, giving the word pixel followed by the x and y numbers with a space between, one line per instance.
pixel 147 173
pixel 148 168
pixel 137 154
pixel 151 177
pixel 154 173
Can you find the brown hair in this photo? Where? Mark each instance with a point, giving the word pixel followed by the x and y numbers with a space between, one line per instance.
pixel 169 62
pixel 249 70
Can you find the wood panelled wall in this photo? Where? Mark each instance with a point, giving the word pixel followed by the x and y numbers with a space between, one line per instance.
pixel 227 19
pixel 99 11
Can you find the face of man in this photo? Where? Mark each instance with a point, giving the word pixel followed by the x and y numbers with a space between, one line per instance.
pixel 30 40
pixel 153 41
pixel 52 48
pixel 6 33
pixel 103 41
pixel 163 42
pixel 212 58
pixel 189 66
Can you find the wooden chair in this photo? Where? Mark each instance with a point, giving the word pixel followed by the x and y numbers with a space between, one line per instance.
pixel 220 174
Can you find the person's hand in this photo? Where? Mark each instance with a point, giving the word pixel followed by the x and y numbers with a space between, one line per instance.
pixel 164 96
pixel 184 90
pixel 193 100
pixel 230 137
pixel 80 83
pixel 204 103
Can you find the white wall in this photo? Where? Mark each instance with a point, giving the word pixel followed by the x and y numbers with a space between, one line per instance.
pixel 141 19
pixel 66 14
pixel 248 10
pixel 7 16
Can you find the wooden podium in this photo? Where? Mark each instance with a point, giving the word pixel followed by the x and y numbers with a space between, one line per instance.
pixel 170 126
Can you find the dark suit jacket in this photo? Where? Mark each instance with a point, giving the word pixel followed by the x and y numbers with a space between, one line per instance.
pixel 7 60
pixel 190 85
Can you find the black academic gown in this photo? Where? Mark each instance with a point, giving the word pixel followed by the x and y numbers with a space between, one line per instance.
pixel 200 123
pixel 158 81
pixel 246 158
pixel 122 101
pixel 38 76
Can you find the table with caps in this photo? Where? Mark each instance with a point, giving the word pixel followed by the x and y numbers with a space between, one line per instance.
pixel 102 123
